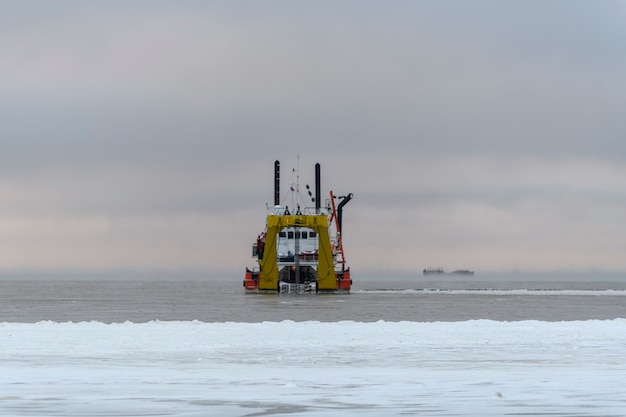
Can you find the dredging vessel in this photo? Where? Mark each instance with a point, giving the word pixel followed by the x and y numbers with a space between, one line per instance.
pixel 300 252
pixel 440 271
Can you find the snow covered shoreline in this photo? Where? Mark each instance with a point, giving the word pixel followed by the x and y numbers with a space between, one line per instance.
pixel 477 367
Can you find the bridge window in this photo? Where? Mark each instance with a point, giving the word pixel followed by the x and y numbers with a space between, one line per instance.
pixel 297 234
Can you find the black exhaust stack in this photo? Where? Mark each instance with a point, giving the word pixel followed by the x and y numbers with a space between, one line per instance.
pixel 344 201
pixel 276 183
pixel 318 189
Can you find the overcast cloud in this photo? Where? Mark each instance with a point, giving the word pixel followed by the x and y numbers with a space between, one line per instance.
pixel 140 136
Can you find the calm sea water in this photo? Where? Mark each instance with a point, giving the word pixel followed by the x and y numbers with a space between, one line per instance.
pixel 445 299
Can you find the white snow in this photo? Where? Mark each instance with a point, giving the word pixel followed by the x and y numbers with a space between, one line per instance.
pixel 477 368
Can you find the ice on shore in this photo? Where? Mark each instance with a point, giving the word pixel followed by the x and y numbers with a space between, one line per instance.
pixel 480 367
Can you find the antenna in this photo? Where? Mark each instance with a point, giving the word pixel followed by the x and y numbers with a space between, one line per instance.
pixel 298 174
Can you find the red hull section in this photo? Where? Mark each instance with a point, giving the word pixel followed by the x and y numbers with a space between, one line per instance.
pixel 251 282
pixel 343 281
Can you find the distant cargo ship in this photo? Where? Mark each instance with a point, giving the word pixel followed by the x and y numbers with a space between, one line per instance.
pixel 463 272
pixel 441 271
pixel 434 271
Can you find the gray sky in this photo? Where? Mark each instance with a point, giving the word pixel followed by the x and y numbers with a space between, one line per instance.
pixel 140 136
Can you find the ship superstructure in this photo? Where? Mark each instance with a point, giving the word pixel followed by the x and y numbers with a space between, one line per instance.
pixel 300 250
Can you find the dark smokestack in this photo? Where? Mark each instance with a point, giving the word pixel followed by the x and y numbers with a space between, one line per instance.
pixel 276 183
pixel 318 190
pixel 344 201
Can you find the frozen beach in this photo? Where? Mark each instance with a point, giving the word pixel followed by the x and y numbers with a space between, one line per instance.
pixel 286 368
